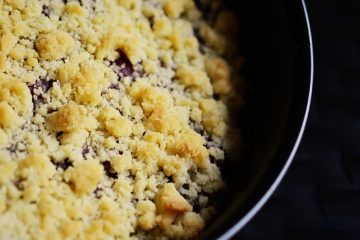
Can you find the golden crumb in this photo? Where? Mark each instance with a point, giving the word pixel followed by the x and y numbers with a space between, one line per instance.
pixel 173 9
pixel 213 39
pixel 147 217
pixel 17 94
pixel 119 126
pixel 68 118
pixel 54 45
pixel 39 163
pixel 74 8
pixel 8 117
pixel 121 163
pixel 115 124
pixel 193 77
pixel 219 73
pixel 214 116
pixel 163 121
pixel 169 204
pixel 151 98
pixel 7 42
pixel 189 144
pixel 85 176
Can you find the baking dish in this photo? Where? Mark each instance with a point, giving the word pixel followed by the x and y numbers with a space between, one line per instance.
pixel 275 39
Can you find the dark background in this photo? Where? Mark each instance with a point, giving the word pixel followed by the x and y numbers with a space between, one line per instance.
pixel 319 197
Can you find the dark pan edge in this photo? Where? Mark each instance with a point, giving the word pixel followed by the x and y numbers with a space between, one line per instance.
pixel 240 224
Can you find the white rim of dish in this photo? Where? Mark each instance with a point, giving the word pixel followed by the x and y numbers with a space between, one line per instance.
pixel 232 231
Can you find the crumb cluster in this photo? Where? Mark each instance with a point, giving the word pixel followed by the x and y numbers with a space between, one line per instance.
pixel 112 122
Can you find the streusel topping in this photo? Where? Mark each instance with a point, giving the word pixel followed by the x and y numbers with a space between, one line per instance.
pixel 109 128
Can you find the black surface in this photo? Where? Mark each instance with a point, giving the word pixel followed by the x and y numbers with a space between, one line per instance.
pixel 320 196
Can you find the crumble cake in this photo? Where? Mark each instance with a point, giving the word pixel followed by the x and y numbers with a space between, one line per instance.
pixel 112 118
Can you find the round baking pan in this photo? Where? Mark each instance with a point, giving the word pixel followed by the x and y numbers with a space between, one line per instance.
pixel 275 40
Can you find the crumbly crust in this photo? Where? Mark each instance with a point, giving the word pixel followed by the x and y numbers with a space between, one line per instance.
pixel 108 120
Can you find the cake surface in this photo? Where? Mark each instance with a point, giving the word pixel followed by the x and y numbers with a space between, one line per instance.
pixel 112 122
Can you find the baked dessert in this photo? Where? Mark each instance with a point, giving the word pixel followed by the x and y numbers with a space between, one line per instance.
pixel 112 118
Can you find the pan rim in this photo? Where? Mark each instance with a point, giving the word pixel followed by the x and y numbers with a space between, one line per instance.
pixel 256 208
